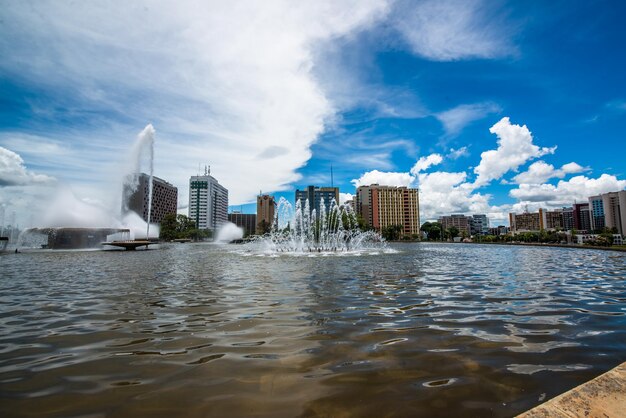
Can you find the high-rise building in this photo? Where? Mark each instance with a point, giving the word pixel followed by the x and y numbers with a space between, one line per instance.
pixel 136 197
pixel 247 221
pixel 596 212
pixel 479 225
pixel 554 219
pixel 527 222
pixel 208 202
pixel 614 204
pixel 582 217
pixel 460 222
pixel 568 218
pixel 315 195
pixel 265 212
pixel 383 206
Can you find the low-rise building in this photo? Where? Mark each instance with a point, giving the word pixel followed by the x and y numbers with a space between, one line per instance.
pixel 479 225
pixel 246 221
pixel 460 222
pixel 527 222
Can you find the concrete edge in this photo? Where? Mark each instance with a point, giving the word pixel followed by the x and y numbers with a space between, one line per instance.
pixel 604 396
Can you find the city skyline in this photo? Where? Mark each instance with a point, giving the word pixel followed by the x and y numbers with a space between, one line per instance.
pixel 485 108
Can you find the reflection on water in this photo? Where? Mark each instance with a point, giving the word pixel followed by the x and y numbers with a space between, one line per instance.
pixel 201 330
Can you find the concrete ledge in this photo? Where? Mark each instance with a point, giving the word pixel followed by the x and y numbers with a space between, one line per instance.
pixel 604 396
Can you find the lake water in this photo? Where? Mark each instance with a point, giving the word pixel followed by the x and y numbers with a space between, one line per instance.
pixel 195 330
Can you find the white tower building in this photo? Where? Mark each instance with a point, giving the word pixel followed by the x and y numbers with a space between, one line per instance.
pixel 208 202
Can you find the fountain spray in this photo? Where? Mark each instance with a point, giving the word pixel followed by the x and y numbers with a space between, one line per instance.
pixel 146 138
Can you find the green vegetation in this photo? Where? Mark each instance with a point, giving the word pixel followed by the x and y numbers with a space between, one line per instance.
pixel 181 227
pixel 432 230
pixel 392 232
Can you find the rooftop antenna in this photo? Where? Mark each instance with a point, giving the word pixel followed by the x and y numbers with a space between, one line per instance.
pixel 331 176
pixel 199 170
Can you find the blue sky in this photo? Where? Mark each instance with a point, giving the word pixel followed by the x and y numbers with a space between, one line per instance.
pixel 487 107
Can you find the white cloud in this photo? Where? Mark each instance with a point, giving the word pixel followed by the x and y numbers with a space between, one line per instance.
pixel 447 30
pixel 344 197
pixel 223 83
pixel 424 163
pixel 458 153
pixel 13 172
pixel 384 179
pixel 566 192
pixel 444 193
pixel 515 147
pixel 571 168
pixel 540 172
pixel 454 120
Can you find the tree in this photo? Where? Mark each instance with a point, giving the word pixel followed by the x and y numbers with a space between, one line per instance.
pixel 453 232
pixel 392 232
pixel 179 227
pixel 264 227
pixel 168 229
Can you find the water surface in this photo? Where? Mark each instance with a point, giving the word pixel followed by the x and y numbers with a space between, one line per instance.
pixel 201 330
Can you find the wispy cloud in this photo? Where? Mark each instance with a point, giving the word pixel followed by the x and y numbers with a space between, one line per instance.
pixel 455 119
pixel 448 30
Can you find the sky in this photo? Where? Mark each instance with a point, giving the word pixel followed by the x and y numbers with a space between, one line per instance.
pixel 485 106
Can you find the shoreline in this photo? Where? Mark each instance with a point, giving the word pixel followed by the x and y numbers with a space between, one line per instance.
pixel 521 244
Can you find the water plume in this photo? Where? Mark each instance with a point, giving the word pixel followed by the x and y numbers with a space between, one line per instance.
pixel 229 232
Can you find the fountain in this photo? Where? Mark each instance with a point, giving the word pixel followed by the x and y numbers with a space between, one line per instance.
pixel 71 223
pixel 303 230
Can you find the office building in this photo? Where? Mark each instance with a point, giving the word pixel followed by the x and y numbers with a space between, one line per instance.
pixel 582 217
pixel 208 202
pixel 499 230
pixel 596 213
pixel 527 222
pixel 460 222
pixel 136 197
pixel 315 195
pixel 265 213
pixel 554 220
pixel 383 206
pixel 479 225
pixel 568 218
pixel 246 221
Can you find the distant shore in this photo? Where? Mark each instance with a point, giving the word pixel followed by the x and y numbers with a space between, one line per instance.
pixel 528 244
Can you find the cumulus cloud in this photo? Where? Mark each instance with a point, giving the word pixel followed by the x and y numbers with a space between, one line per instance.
pixel 454 120
pixel 515 147
pixel 13 172
pixel 566 192
pixel 540 172
pixel 424 163
pixel 444 193
pixel 344 197
pixel 447 30
pixel 384 179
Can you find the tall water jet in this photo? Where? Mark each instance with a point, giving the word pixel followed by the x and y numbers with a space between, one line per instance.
pixel 143 145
